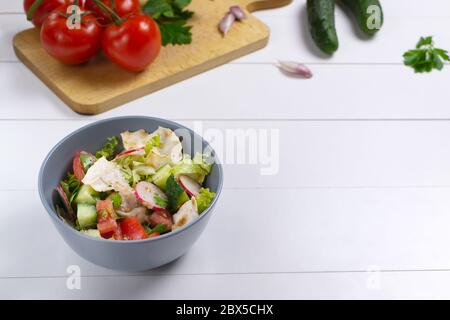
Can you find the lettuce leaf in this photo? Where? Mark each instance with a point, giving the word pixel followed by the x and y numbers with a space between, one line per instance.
pixel 154 142
pixel 108 149
pixel 133 168
pixel 196 168
pixel 204 199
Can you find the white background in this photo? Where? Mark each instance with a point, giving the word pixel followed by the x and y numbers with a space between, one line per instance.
pixel 364 181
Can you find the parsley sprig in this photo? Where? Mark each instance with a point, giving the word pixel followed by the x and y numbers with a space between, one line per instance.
pixel 108 149
pixel 172 17
pixel 425 57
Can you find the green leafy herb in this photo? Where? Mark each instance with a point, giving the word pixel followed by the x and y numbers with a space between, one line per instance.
pixel 71 186
pixel 425 57
pixel 159 228
pixel 108 148
pixel 154 142
pixel 172 17
pixel 160 201
pixel 116 200
pixel 175 194
pixel 204 199
pixel 175 33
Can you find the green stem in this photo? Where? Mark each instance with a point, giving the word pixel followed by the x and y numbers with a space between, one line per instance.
pixel 115 17
pixel 33 9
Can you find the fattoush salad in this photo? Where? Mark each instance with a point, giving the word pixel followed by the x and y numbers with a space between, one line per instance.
pixel 147 189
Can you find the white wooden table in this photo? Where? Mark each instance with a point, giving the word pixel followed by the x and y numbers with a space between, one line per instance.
pixel 360 207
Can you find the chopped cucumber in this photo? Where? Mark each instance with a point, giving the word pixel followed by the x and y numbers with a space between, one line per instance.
pixel 92 232
pixel 87 195
pixel 183 198
pixel 87 160
pixel 161 176
pixel 87 216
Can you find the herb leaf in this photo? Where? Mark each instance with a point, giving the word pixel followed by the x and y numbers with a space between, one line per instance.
pixel 71 186
pixel 176 33
pixel 426 57
pixel 160 201
pixel 116 200
pixel 172 17
pixel 424 41
pixel 175 194
pixel 108 148
pixel 159 228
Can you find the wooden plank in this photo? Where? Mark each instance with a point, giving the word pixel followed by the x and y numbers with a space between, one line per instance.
pixel 389 92
pixel 264 231
pixel 316 154
pixel 414 285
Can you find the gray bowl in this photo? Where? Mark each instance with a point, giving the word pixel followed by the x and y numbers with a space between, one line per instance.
pixel 122 255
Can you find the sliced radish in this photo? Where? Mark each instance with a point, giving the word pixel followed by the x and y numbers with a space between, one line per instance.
pixel 148 194
pixel 78 169
pixel 134 152
pixel 66 202
pixel 191 186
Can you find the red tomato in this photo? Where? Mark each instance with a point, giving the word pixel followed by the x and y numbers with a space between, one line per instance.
pixel 134 44
pixel 154 235
pixel 118 234
pixel 107 227
pixel 106 224
pixel 123 8
pixel 70 46
pixel 105 205
pixel 132 229
pixel 161 217
pixel 78 169
pixel 43 10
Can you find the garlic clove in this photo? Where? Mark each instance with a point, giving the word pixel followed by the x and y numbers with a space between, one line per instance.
pixel 295 68
pixel 238 12
pixel 226 23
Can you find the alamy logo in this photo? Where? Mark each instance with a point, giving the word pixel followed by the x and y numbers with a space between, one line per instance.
pixel 73 281
pixel 74 17
pixel 373 280
pixel 374 20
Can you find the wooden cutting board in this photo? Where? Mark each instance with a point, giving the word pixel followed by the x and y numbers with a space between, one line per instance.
pixel 100 86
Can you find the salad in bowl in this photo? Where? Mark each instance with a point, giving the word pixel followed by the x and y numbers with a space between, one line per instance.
pixel 139 185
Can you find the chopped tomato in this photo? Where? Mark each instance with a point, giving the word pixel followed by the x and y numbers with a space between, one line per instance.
pixel 106 224
pixel 132 229
pixel 161 217
pixel 107 227
pixel 105 205
pixel 78 169
pixel 118 234
pixel 155 234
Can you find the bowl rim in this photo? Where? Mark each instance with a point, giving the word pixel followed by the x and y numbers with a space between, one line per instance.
pixel 54 215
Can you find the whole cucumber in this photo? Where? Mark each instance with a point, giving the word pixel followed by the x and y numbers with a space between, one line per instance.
pixel 368 13
pixel 322 24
